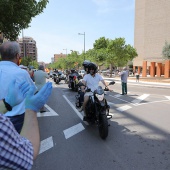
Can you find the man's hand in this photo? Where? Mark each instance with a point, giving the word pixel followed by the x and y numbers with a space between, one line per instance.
pixel 37 101
pixel 16 93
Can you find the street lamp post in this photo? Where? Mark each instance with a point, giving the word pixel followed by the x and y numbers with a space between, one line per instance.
pixel 66 51
pixel 23 42
pixel 84 42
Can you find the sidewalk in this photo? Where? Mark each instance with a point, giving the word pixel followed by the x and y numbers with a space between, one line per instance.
pixel 145 81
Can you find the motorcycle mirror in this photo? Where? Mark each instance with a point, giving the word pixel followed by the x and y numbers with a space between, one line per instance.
pixel 112 83
pixel 88 90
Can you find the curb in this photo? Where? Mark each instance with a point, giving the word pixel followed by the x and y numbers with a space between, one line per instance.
pixel 142 83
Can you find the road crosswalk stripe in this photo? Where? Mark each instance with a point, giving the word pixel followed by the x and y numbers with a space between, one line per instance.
pixel 140 98
pixel 50 113
pixel 123 108
pixel 46 144
pixel 168 97
pixel 73 130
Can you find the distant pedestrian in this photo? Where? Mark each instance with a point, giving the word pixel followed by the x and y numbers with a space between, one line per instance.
pixel 40 79
pixel 124 76
pixel 137 77
pixel 31 73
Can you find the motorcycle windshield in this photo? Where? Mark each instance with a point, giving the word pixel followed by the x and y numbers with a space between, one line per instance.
pixel 99 90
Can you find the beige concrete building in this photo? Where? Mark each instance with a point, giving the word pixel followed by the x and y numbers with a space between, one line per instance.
pixel 57 56
pixel 152 29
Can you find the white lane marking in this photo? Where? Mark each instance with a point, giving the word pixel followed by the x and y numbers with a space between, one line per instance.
pixel 110 103
pixel 152 102
pixel 112 114
pixel 46 144
pixel 73 107
pixel 117 95
pixel 119 98
pixel 140 98
pixel 50 113
pixel 123 108
pixel 73 130
pixel 168 97
pixel 77 112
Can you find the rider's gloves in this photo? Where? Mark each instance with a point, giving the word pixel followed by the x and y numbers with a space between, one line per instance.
pixel 16 92
pixel 37 101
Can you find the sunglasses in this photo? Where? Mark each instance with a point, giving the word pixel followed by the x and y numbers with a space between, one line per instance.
pixel 91 68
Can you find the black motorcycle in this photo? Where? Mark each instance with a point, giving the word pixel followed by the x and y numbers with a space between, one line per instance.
pixel 73 81
pixel 56 78
pixel 97 110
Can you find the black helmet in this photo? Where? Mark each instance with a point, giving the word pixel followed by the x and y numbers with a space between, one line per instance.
pixel 85 64
pixel 72 70
pixel 92 65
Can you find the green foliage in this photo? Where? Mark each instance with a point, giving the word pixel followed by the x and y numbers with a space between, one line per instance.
pixel 119 53
pixel 16 15
pixel 105 52
pixel 28 61
pixel 114 52
pixel 72 60
pixel 166 50
pixel 101 43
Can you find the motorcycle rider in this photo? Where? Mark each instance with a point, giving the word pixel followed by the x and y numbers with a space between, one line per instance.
pixel 85 65
pixel 91 80
pixel 81 93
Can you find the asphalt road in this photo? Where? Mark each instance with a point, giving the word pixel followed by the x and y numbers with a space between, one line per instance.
pixel 139 132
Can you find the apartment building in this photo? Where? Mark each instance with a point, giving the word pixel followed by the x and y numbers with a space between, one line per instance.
pixel 152 29
pixel 57 56
pixel 28 47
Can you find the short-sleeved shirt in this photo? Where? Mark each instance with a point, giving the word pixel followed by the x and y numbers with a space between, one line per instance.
pixel 8 72
pixel 16 152
pixel 124 76
pixel 40 78
pixel 92 82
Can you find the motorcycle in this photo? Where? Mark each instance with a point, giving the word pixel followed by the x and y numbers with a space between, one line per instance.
pixel 97 109
pixel 66 80
pixel 56 78
pixel 73 81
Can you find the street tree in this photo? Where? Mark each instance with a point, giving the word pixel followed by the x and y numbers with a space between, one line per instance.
pixel 166 50
pixel 99 52
pixel 119 53
pixel 17 15
pixel 29 62
pixel 26 61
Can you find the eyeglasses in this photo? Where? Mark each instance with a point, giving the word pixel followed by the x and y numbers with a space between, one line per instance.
pixel 91 68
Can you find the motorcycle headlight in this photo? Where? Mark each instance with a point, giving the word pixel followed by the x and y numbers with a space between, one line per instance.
pixel 100 96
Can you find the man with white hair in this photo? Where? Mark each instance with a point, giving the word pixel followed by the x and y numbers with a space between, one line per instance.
pixel 9 69
pixel 124 76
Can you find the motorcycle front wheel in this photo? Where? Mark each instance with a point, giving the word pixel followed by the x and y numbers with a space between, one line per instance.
pixel 103 125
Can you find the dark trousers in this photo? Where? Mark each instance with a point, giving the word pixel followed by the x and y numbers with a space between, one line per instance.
pixel 17 121
pixel 81 99
pixel 124 88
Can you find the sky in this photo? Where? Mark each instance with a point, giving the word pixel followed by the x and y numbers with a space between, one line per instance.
pixel 56 29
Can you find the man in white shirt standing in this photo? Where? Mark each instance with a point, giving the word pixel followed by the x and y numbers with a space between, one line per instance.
pixel 40 79
pixel 9 69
